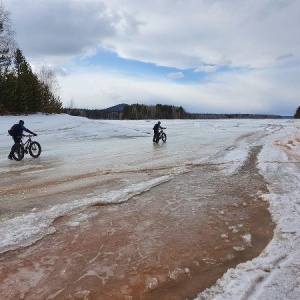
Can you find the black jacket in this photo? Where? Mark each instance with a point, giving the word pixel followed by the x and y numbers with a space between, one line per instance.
pixel 17 130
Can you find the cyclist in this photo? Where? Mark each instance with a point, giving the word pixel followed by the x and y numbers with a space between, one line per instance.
pixel 156 131
pixel 16 132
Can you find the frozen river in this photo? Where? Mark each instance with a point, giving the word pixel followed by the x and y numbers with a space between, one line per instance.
pixel 104 213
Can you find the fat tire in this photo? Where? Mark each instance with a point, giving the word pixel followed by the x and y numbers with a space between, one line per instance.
pixel 17 152
pixel 155 139
pixel 164 137
pixel 35 149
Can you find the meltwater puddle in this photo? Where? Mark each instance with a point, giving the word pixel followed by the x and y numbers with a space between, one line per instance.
pixel 169 242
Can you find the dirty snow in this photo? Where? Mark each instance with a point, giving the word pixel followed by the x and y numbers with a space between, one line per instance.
pixel 274 274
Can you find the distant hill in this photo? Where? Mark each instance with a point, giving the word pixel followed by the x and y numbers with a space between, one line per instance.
pixel 110 113
pixel 118 107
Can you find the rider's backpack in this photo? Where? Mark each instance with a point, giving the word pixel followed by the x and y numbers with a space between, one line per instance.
pixel 13 130
pixel 155 128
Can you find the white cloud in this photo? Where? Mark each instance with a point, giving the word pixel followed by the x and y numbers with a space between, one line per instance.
pixel 206 69
pixel 255 92
pixel 64 29
pixel 258 36
pixel 183 34
pixel 60 71
pixel 175 75
pixel 187 34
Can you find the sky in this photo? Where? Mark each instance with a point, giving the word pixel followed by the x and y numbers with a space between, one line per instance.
pixel 208 56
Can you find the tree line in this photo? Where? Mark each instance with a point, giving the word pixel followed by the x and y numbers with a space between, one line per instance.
pixel 158 111
pixel 103 114
pixel 131 112
pixel 21 90
pixel 297 113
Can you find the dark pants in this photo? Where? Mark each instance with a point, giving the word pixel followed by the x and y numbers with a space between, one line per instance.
pixel 155 136
pixel 17 140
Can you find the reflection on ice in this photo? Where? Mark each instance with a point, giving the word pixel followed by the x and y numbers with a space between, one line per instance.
pixel 27 229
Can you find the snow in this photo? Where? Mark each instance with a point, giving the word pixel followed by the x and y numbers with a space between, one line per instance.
pixel 275 273
pixel 71 144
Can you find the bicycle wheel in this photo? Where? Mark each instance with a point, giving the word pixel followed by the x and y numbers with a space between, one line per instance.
pixel 164 137
pixel 35 149
pixel 18 152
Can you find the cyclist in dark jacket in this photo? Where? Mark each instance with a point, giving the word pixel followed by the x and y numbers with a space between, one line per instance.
pixel 17 132
pixel 156 131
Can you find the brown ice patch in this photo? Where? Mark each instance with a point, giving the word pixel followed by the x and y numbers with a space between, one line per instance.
pixel 290 148
pixel 171 242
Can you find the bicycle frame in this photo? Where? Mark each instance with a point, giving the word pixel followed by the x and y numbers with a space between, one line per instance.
pixel 27 143
pixel 29 146
pixel 160 136
pixel 160 133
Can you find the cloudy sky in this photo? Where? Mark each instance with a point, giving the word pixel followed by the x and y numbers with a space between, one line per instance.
pixel 209 56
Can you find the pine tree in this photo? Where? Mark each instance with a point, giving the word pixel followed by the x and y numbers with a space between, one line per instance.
pixel 297 114
pixel 21 89
pixel 50 88
pixel 8 89
pixel 22 72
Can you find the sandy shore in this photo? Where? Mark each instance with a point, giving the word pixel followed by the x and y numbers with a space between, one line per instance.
pixel 162 244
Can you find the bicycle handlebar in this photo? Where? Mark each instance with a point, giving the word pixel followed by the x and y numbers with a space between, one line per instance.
pixel 28 135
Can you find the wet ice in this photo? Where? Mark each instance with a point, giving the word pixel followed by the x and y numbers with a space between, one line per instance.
pixel 87 162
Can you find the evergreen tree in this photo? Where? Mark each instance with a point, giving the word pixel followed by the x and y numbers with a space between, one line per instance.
pixel 51 102
pixel 8 91
pixel 21 90
pixel 297 114
pixel 7 46
pixel 140 111
pixel 22 70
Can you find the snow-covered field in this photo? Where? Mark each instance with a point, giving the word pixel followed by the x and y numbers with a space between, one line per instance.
pixel 78 152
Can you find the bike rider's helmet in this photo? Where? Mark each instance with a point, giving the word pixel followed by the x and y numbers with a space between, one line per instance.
pixel 21 122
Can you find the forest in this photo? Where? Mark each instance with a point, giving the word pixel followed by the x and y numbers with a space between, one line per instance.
pixel 21 90
pixel 158 111
pixel 132 112
pixel 297 113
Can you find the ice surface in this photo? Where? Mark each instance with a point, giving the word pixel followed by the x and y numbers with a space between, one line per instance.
pixel 102 149
pixel 275 273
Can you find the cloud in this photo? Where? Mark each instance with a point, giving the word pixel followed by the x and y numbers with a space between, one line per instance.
pixel 67 28
pixel 245 54
pixel 192 33
pixel 206 69
pixel 245 34
pixel 176 75
pixel 285 56
pixel 259 91
pixel 60 71
pixel 167 33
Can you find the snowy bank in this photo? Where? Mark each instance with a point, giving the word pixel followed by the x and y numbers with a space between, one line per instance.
pixel 275 274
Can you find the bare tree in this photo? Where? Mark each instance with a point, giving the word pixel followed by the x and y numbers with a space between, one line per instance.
pixel 48 78
pixel 71 103
pixel 7 42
